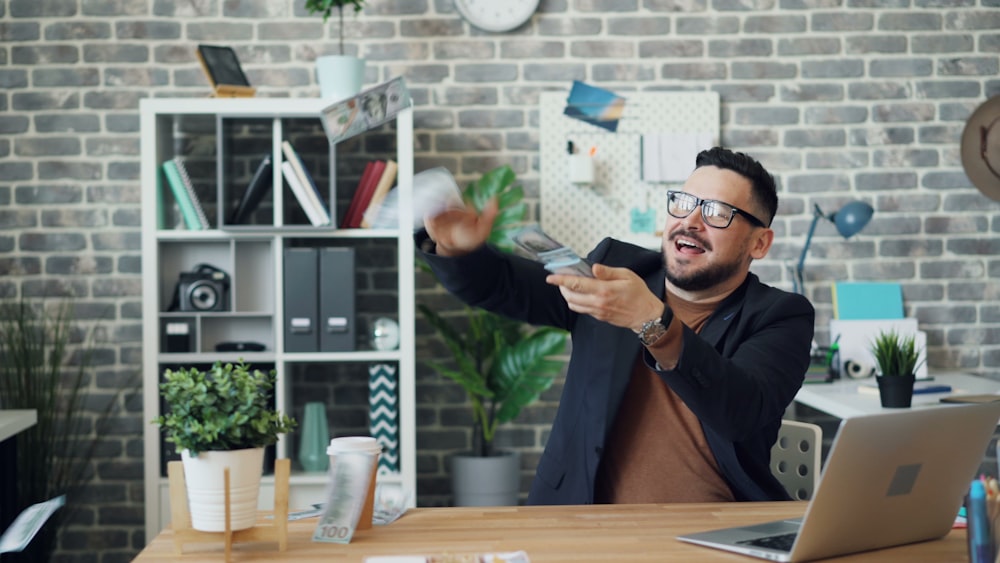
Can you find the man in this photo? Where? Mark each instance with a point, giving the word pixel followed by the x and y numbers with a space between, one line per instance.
pixel 683 361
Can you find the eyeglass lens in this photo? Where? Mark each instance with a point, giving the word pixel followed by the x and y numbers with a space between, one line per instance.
pixel 714 213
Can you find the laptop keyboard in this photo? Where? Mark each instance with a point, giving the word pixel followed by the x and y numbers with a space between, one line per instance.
pixel 782 542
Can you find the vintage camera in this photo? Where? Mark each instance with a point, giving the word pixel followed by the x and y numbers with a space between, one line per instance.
pixel 204 289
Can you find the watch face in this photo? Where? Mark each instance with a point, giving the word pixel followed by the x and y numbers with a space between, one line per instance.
pixel 496 15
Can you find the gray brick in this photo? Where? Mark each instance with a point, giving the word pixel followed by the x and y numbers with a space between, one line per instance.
pixel 488 72
pixel 20 266
pixel 805 92
pixel 47 194
pixel 845 68
pixel 44 54
pixel 881 136
pixel 611 6
pixel 19 31
pixel 431 28
pixel 767 116
pixel 750 92
pixel 671 48
pixel 67 123
pixel 728 48
pixel 775 24
pixel 227 31
pixel 40 8
pixel 13 78
pixel 554 72
pixel 750 138
pixel 115 241
pixel 818 183
pixel 842 21
pixel 467 96
pixel 708 25
pixel 945 180
pixel 116 53
pixel 453 142
pixel 815 138
pixel 693 71
pixel 35 101
pixel 948 89
pixel 84 218
pixel 47 146
pixel 13 124
pixel 115 99
pixel 945 315
pixel 623 73
pixel 13 171
pixel 65 265
pixel 910 248
pixel 77 31
pixel 968 66
pixel 152 29
pixel 901 67
pixel 876 44
pixel 902 112
pixel 883 181
pixel 968 20
pixel 973 246
pixel 908 21
pixel 569 27
pixel 905 158
pixel 114 7
pixel 126 123
pixel 602 49
pixel 877 91
pixel 638 26
pixel 884 270
pixel 464 50
pixel 833 160
pixel 529 49
pixel 39 242
pixel 65 77
pixel 761 70
pixel 939 134
pixel 136 77
pixel 688 6
pixel 490 118
pixel 805 46
pixel 52 170
pixel 878 3
pixel 943 43
pixel 972 336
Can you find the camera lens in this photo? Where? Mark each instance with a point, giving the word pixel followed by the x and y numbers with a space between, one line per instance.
pixel 204 295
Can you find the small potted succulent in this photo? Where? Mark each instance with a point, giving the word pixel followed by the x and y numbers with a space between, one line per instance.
pixel 896 361
pixel 217 419
pixel 340 76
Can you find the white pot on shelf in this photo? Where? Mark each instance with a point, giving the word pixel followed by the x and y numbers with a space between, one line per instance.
pixel 339 76
pixel 204 475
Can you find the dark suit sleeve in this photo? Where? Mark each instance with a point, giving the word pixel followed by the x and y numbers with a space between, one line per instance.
pixel 501 283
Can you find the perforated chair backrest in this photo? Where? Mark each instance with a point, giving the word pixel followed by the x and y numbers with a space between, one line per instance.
pixel 795 458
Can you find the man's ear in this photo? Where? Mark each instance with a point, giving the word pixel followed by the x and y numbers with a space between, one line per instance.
pixel 761 243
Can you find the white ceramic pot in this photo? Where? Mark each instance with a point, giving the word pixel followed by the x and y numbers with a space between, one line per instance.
pixel 339 76
pixel 205 479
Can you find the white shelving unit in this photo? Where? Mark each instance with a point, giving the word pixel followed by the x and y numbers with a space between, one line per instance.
pixel 253 256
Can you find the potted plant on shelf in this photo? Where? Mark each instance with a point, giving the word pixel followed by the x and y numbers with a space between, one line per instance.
pixel 896 361
pixel 340 76
pixel 502 364
pixel 217 419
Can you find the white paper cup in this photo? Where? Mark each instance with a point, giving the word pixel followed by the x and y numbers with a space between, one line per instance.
pixel 359 444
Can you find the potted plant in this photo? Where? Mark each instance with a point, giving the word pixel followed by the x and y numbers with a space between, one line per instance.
pixel 896 361
pixel 340 76
pixel 217 419
pixel 502 364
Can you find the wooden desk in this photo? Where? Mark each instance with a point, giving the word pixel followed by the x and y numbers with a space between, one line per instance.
pixel 547 533
pixel 843 400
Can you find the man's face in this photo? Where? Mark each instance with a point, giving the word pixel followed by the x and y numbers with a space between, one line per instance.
pixel 699 257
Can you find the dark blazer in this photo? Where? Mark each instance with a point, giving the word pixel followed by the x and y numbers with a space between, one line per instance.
pixel 737 376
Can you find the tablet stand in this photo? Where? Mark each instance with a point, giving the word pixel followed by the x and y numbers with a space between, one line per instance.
pixel 276 530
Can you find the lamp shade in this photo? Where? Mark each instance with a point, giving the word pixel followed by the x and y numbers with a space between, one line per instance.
pixel 852 218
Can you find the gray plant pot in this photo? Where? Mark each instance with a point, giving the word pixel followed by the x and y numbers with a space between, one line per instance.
pixel 486 481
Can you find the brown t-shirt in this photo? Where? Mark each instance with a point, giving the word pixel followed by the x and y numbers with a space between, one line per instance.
pixel 656 451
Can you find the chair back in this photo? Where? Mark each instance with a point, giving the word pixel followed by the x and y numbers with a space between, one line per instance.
pixel 795 458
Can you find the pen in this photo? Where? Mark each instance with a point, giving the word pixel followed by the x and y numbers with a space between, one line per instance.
pixel 980 541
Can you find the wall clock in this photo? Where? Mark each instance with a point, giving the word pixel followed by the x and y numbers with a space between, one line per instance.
pixel 496 15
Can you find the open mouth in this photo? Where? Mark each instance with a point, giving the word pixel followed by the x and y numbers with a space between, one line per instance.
pixel 685 245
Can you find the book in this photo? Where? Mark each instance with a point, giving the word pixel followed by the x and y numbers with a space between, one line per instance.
pixel 312 192
pixel 184 194
pixel 867 300
pixel 259 184
pixel 365 173
pixel 301 195
pixel 189 188
pixel 381 189
pixel 363 194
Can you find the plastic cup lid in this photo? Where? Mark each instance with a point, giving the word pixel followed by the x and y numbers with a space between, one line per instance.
pixel 353 444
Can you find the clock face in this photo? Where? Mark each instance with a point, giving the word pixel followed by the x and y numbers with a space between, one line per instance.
pixel 496 15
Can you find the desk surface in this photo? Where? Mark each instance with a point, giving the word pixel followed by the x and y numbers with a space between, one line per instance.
pixel 14 421
pixel 843 400
pixel 546 533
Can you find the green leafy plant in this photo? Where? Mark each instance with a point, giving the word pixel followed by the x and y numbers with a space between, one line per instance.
pixel 895 354
pixel 47 364
pixel 325 7
pixel 502 364
pixel 226 408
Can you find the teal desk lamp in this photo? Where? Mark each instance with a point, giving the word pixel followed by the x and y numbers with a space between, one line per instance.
pixel 849 221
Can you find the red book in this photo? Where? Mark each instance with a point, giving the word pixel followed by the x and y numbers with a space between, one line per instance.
pixel 363 195
pixel 357 191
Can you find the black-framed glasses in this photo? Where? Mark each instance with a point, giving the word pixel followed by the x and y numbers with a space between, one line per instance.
pixel 714 213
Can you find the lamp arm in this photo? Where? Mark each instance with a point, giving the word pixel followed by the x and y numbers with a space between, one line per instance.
pixel 799 281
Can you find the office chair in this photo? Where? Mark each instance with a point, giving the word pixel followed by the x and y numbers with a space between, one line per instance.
pixel 795 458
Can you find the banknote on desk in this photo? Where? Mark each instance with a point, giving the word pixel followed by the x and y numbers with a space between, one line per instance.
pixel 346 497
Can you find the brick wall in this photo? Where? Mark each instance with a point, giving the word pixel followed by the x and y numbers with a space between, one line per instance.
pixel 842 99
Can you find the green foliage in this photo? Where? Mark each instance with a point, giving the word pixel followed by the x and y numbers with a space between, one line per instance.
pixel 502 364
pixel 226 408
pixel 325 7
pixel 895 354
pixel 46 364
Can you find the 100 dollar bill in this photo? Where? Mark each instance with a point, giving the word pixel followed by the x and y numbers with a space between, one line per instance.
pixel 346 496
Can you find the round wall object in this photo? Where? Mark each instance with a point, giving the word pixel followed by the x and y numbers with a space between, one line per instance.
pixel 496 15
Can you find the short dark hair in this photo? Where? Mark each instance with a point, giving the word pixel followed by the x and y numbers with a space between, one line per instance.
pixel 763 190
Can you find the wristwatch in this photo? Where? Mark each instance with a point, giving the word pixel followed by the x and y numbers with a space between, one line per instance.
pixel 652 330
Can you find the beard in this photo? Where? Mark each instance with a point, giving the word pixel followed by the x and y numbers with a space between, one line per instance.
pixel 701 279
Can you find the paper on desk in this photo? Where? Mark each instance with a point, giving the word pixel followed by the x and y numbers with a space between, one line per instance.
pixel 27 524
pixel 511 557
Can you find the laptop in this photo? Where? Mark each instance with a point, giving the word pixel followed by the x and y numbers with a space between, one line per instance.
pixel 890 478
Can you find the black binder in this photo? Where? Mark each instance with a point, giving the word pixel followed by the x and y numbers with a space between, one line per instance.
pixel 336 299
pixel 259 185
pixel 301 307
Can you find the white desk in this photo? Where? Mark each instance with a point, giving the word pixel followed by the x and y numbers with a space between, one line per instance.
pixel 843 400
pixel 11 422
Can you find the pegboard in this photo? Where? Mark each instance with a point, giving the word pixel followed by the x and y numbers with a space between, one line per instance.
pixel 580 215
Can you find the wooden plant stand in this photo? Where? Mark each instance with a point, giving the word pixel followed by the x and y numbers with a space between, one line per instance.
pixel 276 530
